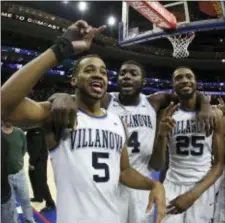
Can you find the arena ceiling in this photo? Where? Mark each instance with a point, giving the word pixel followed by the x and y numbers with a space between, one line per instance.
pixel 98 12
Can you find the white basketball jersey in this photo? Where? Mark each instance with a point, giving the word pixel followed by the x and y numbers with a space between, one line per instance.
pixel 141 123
pixel 190 149
pixel 86 166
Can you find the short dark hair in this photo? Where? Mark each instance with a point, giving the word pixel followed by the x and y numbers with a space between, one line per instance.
pixel 182 67
pixel 76 67
pixel 137 64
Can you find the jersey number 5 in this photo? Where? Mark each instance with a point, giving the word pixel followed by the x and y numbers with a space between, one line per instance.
pixel 133 142
pixel 195 142
pixel 100 166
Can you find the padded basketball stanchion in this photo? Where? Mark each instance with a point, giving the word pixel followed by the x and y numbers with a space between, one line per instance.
pixel 180 44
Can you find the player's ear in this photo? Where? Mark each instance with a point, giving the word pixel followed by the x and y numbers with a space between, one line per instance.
pixel 144 81
pixel 73 82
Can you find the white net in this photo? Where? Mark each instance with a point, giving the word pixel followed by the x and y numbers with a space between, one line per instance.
pixel 180 44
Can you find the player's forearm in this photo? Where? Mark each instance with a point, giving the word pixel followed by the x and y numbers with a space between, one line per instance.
pixel 19 85
pixel 209 180
pixel 217 167
pixel 60 95
pixel 161 100
pixel 203 101
pixel 133 179
pixel 158 157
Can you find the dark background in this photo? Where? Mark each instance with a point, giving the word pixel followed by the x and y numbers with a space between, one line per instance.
pixel 206 51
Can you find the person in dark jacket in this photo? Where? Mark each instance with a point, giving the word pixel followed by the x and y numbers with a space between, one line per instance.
pixel 17 145
pixel 8 204
pixel 38 152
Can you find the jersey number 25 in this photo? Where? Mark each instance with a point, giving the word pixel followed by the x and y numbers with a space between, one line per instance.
pixel 184 143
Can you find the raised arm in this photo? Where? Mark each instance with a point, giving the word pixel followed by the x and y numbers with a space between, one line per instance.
pixel 78 37
pixel 165 126
pixel 17 87
pixel 29 114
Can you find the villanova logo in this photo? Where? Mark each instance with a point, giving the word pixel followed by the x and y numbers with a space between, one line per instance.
pixel 96 138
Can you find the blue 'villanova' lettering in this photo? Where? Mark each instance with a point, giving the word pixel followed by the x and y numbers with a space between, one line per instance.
pixel 88 138
pixel 137 120
pixel 188 126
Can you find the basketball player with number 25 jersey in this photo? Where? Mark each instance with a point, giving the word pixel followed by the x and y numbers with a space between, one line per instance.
pixel 196 155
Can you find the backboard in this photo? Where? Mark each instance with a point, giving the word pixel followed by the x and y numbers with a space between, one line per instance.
pixel 191 17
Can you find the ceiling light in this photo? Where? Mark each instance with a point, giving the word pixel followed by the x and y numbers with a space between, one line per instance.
pixel 82 6
pixel 111 21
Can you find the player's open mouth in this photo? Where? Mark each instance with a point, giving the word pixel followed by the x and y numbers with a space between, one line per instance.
pixel 185 88
pixel 127 86
pixel 97 86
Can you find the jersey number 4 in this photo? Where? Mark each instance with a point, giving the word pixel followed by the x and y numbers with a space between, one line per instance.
pixel 195 142
pixel 100 166
pixel 133 142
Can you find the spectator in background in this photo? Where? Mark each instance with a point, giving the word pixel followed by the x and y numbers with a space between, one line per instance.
pixel 17 179
pixel 38 152
pixel 8 204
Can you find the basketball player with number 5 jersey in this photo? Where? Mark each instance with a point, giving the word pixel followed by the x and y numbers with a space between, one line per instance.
pixel 196 155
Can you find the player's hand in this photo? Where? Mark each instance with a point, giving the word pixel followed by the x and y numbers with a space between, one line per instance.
pixel 167 123
pixel 207 117
pixel 221 105
pixel 81 35
pixel 157 196
pixel 63 111
pixel 181 203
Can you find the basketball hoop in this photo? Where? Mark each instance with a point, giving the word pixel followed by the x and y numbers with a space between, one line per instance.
pixel 180 44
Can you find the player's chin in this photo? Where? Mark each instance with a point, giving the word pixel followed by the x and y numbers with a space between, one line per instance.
pixel 186 95
pixel 96 96
pixel 127 92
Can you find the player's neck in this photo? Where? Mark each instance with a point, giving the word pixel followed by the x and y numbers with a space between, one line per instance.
pixel 88 105
pixel 129 100
pixel 188 104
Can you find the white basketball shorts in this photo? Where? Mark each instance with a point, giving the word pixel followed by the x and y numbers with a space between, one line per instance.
pixel 132 206
pixel 202 211
pixel 220 203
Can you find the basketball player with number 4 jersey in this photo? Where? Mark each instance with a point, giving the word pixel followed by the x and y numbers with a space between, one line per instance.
pixel 139 114
pixel 140 120
pixel 196 155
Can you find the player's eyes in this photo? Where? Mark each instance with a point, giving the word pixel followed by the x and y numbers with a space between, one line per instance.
pixel 134 73
pixel 88 70
pixel 104 72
